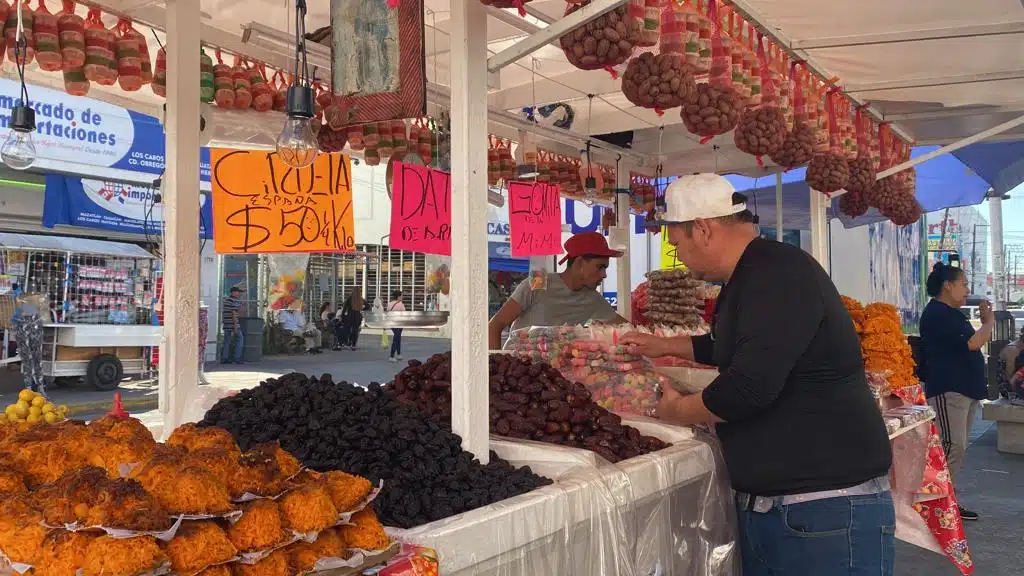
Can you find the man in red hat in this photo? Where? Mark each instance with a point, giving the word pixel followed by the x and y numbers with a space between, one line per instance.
pixel 569 297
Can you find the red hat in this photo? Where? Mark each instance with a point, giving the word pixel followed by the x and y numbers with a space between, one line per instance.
pixel 588 244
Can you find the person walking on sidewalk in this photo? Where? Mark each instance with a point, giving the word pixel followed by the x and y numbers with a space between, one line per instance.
pixel 396 305
pixel 954 368
pixel 352 319
pixel 806 450
pixel 234 340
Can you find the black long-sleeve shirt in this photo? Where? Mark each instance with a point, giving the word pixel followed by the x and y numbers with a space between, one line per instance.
pixel 799 416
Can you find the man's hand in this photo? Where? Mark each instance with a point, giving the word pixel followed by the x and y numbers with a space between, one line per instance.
pixel 675 408
pixel 646 344
pixel 985 309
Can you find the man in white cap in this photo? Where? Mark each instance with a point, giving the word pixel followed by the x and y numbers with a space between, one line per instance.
pixel 807 452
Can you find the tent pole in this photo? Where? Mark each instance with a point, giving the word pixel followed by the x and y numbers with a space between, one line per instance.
pixel 623 268
pixel 819 242
pixel 995 218
pixel 469 292
pixel 178 375
pixel 778 206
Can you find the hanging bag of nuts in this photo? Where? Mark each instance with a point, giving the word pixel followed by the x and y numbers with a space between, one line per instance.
pixel 798 146
pixel 506 164
pixel 658 82
pixel 28 52
pixel 355 138
pixel 493 162
pixel 715 106
pixel 829 171
pixel 604 42
pixel 399 137
pixel 651 33
pixel 672 21
pixel 860 187
pixel 47 39
pixel 387 144
pixel 761 130
pixel 223 83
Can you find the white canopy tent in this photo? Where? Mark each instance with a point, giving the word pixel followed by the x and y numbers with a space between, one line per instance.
pixel 940 73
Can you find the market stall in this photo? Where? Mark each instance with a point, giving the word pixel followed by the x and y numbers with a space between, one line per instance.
pixel 97 323
pixel 471 48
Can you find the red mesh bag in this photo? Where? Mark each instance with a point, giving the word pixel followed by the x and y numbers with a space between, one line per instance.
pixel 829 172
pixel 71 36
pixel 604 42
pixel 129 57
pixel 715 106
pixel 11 32
pixel 223 83
pixel 47 39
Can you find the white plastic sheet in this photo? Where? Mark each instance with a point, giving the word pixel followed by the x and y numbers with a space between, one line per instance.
pixel 666 513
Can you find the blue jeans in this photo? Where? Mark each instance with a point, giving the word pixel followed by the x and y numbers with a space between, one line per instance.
pixel 843 536
pixel 396 342
pixel 233 353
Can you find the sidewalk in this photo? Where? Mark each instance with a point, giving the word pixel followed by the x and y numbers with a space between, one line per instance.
pixel 367 364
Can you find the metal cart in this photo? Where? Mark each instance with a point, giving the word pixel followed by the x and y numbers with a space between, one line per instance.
pixel 100 323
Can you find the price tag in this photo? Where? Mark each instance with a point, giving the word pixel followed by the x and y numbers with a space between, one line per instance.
pixel 535 219
pixel 421 210
pixel 261 205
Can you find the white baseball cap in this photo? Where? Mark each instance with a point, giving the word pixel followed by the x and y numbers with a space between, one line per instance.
pixel 700 196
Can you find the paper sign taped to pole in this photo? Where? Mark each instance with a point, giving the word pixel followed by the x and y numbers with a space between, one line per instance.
pixel 535 218
pixel 260 205
pixel 421 209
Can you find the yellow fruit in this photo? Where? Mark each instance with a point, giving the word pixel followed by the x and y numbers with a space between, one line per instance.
pixel 35 411
pixel 26 395
pixel 33 418
pixel 63 408
pixel 50 417
pixel 10 410
pixel 39 401
pixel 21 409
pixel 3 418
pixel 48 408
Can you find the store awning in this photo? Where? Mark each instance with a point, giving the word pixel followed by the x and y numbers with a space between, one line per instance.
pixel 13 241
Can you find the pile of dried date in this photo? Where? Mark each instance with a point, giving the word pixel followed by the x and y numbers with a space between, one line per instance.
pixel 604 41
pixel 761 131
pixel 895 201
pixel 797 148
pixel 530 400
pixel 862 176
pixel 712 110
pixel 853 204
pixel 660 81
pixel 828 172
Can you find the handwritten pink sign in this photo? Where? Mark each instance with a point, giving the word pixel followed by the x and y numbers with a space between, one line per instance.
pixel 535 218
pixel 421 209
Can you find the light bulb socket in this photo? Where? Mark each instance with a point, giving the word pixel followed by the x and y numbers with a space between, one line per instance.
pixel 300 102
pixel 23 118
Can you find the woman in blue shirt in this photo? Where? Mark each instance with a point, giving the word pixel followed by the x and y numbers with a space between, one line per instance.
pixel 953 368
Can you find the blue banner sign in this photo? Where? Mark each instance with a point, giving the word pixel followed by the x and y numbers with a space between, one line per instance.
pixel 111 206
pixel 79 135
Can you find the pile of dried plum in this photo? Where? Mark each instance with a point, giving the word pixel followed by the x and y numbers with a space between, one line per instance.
pixel 531 400
pixel 328 426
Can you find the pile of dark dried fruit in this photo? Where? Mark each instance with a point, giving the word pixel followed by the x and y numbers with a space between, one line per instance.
pixel 427 476
pixel 528 400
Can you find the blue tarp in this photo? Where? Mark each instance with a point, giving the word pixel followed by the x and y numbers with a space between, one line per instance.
pixel 499 258
pixel 1001 164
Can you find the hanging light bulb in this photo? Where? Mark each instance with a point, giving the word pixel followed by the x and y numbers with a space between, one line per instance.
pixel 297 144
pixel 18 151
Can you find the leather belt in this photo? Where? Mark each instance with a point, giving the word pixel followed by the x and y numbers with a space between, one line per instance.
pixel 750 502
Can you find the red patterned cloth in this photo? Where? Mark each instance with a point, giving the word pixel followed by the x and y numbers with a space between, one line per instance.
pixel 935 501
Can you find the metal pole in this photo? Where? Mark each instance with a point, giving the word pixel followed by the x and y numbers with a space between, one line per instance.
pixel 778 206
pixel 469 232
pixel 995 218
pixel 179 354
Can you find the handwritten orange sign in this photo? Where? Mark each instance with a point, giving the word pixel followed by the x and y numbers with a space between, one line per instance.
pixel 421 210
pixel 535 218
pixel 260 205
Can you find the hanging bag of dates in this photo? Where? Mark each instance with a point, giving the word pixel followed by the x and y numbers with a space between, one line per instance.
pixel 715 106
pixel 658 82
pixel 798 146
pixel 895 193
pixel 762 130
pixel 861 185
pixel 829 171
pixel 604 42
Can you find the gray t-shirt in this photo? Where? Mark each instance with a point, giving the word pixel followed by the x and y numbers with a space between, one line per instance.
pixel 557 304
